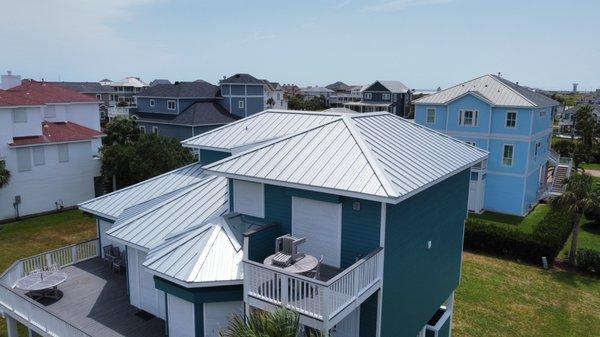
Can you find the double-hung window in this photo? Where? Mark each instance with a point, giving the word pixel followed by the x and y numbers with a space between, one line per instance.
pixel 511 119
pixel 171 104
pixel 368 95
pixel 430 118
pixel 19 115
pixel 152 102
pixel 385 97
pixel 468 117
pixel 507 155
pixel 241 104
pixel 155 130
pixel 63 153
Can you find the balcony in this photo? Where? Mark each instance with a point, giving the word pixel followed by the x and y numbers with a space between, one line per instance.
pixel 322 302
pixel 94 299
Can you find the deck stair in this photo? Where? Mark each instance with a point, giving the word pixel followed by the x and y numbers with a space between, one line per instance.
pixel 561 173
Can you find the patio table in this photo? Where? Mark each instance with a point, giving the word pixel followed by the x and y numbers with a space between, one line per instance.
pixel 302 265
pixel 42 284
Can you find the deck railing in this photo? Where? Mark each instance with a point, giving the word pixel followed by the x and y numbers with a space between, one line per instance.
pixel 30 312
pixel 317 299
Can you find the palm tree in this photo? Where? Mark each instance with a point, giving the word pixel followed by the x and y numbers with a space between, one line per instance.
pixel 271 102
pixel 4 174
pixel 578 198
pixel 281 323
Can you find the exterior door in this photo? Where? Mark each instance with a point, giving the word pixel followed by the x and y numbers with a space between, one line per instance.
pixel 181 317
pixel 151 299
pixel 321 223
pixel 218 314
pixel 476 191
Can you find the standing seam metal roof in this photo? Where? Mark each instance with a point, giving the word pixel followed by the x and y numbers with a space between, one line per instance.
pixel 112 205
pixel 375 155
pixel 258 128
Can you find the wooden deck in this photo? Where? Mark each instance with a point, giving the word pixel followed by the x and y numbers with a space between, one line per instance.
pixel 95 300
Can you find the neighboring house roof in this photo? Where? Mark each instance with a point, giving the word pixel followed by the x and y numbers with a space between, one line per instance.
pixel 40 93
pixel 199 113
pixel 208 253
pixel 130 82
pixel 105 80
pixel 338 86
pixel 242 79
pixel 191 206
pixel 111 205
pixel 86 87
pixel 259 128
pixel 197 89
pixel 159 81
pixel 316 89
pixel 340 110
pixel 573 110
pixel 493 89
pixel 392 86
pixel 58 132
pixel 375 156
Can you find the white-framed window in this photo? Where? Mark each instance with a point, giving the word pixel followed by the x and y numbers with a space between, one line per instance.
pixel 152 102
pixel 508 154
pixel 20 115
pixel 155 130
pixel 368 95
pixel 23 159
pixel 249 198
pixel 468 117
pixel 171 104
pixel 63 153
pixel 142 129
pixel 385 96
pixel 511 119
pixel 39 156
pixel 241 104
pixel 99 97
pixel 430 117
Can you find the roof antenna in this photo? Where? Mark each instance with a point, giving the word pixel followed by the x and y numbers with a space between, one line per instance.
pixel 499 74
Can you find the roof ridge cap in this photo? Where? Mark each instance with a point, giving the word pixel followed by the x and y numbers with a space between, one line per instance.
pixel 371 158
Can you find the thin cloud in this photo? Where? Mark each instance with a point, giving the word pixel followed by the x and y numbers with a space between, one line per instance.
pixel 399 5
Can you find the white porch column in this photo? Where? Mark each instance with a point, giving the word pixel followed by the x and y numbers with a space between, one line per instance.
pixel 450 308
pixel 11 326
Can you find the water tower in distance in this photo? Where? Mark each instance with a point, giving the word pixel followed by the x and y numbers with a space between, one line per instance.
pixel 575 87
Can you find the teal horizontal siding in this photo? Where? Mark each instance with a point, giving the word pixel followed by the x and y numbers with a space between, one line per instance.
pixel 368 317
pixel 210 156
pixel 418 280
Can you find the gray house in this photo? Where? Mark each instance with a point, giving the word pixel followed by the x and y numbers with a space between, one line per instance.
pixel 244 94
pixel 181 110
pixel 390 96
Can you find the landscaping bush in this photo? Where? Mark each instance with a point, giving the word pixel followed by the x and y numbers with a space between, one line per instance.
pixel 547 239
pixel 564 147
pixel 588 260
pixel 593 214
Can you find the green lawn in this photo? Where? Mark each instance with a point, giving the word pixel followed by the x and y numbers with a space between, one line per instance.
pixel 589 238
pixel 525 224
pixel 590 166
pixel 503 298
pixel 37 235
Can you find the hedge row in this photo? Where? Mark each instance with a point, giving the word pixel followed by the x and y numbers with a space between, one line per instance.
pixel 588 260
pixel 547 239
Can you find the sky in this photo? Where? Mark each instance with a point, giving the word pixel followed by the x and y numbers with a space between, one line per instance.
pixel 423 43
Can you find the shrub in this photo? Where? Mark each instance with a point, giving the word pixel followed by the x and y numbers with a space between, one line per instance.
pixel 547 239
pixel 588 260
pixel 564 147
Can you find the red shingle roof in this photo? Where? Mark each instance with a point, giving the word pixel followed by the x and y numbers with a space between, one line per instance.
pixel 38 93
pixel 58 132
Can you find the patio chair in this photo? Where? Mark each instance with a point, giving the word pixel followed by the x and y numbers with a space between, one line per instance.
pixel 53 268
pixel 108 254
pixel 119 263
pixel 286 250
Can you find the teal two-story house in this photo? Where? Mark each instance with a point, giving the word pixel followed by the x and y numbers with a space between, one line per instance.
pixel 513 123
pixel 390 96
pixel 380 200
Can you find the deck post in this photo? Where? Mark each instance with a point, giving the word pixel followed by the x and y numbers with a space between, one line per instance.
pixel 11 326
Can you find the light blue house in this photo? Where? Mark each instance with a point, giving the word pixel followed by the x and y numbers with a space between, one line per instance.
pixel 358 187
pixel 510 121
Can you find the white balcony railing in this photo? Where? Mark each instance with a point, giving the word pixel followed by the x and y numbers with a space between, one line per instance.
pixel 320 300
pixel 30 312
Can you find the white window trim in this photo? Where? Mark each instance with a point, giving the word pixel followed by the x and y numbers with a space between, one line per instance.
pixel 241 104
pixel 66 147
pixel 155 130
pixel 41 150
pixel 174 104
pixel 461 119
pixel 26 152
pixel 512 157
pixel 427 115
pixel 152 102
pixel 14 113
pixel 99 97
pixel 368 95
pixel 506 119
pixel 385 96
pixel 143 129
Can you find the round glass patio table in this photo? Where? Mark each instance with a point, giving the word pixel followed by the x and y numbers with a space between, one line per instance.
pixel 42 283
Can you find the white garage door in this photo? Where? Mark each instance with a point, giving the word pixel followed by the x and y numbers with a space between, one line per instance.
pixel 181 317
pixel 218 314
pixel 321 223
